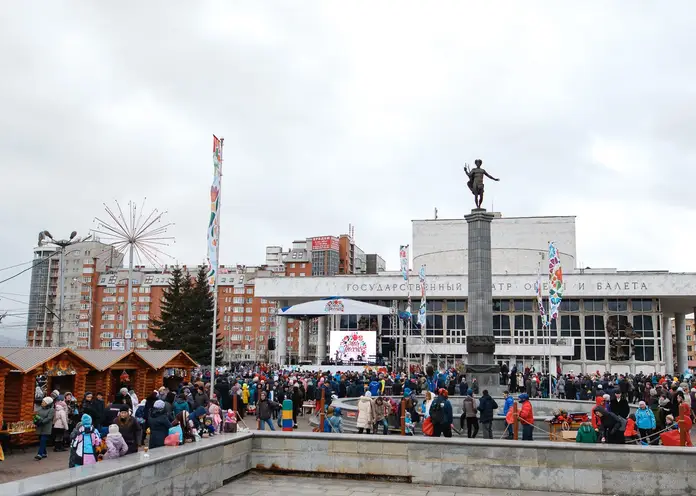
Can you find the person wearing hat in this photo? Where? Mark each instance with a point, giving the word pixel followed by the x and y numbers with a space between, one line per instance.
pixel 526 417
pixel 129 428
pixel 44 425
pixel 159 425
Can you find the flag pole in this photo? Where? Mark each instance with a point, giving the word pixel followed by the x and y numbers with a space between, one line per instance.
pixel 217 269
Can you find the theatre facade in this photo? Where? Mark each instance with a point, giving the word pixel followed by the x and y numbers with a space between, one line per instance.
pixel 654 303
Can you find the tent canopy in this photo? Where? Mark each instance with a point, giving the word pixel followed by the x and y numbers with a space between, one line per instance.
pixel 333 306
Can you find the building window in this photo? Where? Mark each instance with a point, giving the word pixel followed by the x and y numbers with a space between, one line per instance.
pixel 524 329
pixel 642 305
pixel 645 346
pixel 595 338
pixel 570 306
pixel 433 306
pixel 570 326
pixel 501 328
pixel 617 305
pixel 523 306
pixel 250 291
pixel 501 305
pixel 456 306
pixel 593 305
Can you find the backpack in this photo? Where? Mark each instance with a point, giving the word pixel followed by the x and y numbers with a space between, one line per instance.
pixel 437 412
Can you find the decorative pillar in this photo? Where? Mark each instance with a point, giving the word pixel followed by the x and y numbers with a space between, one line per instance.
pixel 282 335
pixel 108 387
pixel 321 338
pixel 304 340
pixel 667 349
pixel 480 343
pixel 139 383
pixel 682 355
pixel 3 374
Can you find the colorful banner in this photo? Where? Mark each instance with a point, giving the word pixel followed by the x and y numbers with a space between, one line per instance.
pixel 540 299
pixel 214 223
pixel 421 310
pixel 555 282
pixel 403 263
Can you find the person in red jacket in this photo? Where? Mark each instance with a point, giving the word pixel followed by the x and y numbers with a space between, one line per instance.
pixel 596 422
pixel 631 433
pixel 526 416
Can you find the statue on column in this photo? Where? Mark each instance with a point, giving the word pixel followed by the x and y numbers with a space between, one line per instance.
pixel 475 182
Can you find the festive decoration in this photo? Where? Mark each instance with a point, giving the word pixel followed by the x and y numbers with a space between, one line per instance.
pixel 334 306
pixel 59 368
pixel 353 346
pixel 214 223
pixel 175 373
pixel 555 282
pixel 125 378
pixel 540 300
pixel 421 310
pixel 403 262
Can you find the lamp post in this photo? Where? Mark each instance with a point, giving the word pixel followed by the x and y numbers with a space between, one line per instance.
pixel 45 238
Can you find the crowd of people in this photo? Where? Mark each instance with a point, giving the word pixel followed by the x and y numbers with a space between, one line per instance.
pixel 92 429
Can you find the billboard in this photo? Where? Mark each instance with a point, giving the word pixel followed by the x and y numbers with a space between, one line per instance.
pixel 324 243
pixel 356 345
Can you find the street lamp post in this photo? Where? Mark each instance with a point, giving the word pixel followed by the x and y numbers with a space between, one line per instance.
pixel 45 238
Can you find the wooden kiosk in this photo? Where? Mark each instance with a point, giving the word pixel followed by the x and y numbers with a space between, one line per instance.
pixel 62 368
pixel 113 370
pixel 175 364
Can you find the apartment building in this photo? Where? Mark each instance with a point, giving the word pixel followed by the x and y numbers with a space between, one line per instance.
pixel 56 321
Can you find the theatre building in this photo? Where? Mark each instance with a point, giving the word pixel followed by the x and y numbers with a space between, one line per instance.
pixel 647 306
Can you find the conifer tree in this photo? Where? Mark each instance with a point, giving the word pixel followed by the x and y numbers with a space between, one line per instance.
pixel 199 331
pixel 171 324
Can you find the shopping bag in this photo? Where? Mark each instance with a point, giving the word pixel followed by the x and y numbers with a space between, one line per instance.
pixel 171 440
pixel 427 427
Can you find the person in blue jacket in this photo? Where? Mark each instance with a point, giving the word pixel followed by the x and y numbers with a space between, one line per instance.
pixel 506 408
pixel 374 386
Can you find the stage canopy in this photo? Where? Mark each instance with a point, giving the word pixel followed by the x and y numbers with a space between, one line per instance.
pixel 333 306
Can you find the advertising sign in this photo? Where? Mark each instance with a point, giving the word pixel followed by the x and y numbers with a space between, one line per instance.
pixel 355 345
pixel 324 243
pixel 118 345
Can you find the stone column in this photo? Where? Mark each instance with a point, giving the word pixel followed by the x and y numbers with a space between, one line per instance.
pixel 322 324
pixel 282 335
pixel 303 347
pixel 667 350
pixel 682 355
pixel 480 343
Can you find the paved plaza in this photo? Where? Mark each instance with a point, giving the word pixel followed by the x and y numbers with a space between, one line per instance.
pixel 258 484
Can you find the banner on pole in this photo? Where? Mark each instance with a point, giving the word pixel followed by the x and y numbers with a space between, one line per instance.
pixel 214 222
pixel 540 299
pixel 421 310
pixel 555 282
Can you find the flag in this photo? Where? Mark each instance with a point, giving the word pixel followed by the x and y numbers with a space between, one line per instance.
pixel 214 223
pixel 421 310
pixel 403 263
pixel 540 299
pixel 555 282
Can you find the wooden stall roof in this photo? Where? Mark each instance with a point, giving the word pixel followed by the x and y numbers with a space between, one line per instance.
pixel 102 359
pixel 7 364
pixel 27 359
pixel 160 358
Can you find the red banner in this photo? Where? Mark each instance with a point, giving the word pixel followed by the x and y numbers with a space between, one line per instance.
pixel 323 243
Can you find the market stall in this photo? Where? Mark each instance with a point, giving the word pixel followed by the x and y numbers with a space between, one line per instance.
pixel 114 370
pixel 35 373
pixel 168 368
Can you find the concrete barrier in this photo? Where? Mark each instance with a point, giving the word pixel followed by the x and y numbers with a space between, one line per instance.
pixel 195 469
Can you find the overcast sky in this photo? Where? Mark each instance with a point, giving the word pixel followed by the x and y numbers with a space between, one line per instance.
pixel 348 112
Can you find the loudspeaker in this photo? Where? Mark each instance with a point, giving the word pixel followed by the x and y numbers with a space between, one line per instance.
pixel 271 344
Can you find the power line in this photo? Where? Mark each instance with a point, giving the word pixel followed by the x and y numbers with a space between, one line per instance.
pixel 16 265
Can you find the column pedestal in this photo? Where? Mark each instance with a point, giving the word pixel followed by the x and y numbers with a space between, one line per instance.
pixel 480 343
